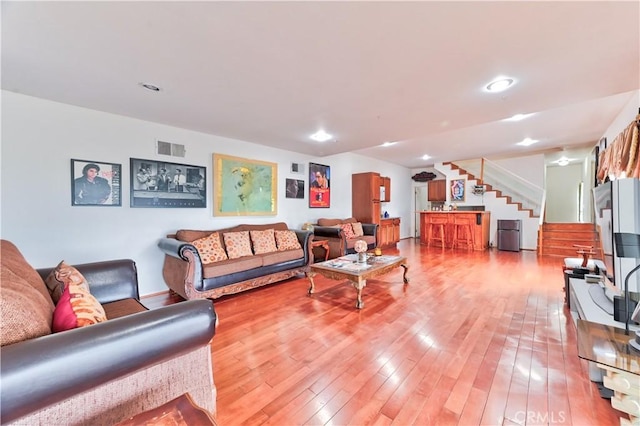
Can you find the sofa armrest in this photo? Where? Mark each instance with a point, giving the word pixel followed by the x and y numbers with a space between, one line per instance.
pixel 328 232
pixel 108 280
pixel 40 372
pixel 305 238
pixel 335 237
pixel 191 271
pixel 370 228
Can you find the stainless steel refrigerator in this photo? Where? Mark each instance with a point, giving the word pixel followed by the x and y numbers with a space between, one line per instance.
pixel 509 235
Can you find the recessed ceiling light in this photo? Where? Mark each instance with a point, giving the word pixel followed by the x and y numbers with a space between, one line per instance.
pixel 499 85
pixel 562 161
pixel 150 86
pixel 517 117
pixel 426 157
pixel 527 142
pixel 389 143
pixel 321 136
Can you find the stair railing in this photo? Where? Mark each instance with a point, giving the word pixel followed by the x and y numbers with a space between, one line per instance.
pixel 530 195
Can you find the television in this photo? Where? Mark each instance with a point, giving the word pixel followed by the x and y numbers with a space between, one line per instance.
pixel 603 213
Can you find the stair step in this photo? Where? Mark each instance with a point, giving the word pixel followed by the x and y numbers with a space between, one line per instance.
pixel 565 252
pixel 554 235
pixel 567 226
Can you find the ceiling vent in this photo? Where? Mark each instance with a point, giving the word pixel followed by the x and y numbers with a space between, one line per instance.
pixel 297 168
pixel 172 149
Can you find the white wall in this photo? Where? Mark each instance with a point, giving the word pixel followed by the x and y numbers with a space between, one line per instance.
pixel 562 193
pixel 40 137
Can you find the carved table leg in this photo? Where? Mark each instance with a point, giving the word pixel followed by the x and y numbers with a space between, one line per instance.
pixel 359 286
pixel 312 285
pixel 404 274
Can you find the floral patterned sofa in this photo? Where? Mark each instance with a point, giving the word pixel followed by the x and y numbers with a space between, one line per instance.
pixel 210 264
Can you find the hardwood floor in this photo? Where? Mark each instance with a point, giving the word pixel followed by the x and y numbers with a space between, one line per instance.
pixel 474 338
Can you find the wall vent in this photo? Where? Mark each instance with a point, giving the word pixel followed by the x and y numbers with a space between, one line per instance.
pixel 172 149
pixel 297 168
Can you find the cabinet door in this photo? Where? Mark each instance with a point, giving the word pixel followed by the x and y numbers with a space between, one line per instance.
pixel 437 190
pixel 396 231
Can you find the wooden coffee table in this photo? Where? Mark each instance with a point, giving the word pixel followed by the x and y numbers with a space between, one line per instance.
pixel 348 268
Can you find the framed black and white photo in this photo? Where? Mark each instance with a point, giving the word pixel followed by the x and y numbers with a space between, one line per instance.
pixel 295 188
pixel 163 184
pixel 95 183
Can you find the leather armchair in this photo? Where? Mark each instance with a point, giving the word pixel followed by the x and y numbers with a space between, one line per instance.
pixel 339 245
pixel 112 370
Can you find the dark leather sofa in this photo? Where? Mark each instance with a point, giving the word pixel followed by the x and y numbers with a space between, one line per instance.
pixel 339 244
pixel 107 372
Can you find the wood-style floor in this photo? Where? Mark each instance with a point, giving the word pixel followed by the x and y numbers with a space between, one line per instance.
pixel 474 338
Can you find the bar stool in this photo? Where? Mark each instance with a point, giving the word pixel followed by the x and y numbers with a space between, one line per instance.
pixel 463 233
pixel 437 231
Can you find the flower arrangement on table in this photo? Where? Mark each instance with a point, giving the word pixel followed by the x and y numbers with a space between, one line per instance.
pixel 360 247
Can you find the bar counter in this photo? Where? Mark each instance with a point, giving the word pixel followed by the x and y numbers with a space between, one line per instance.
pixel 480 221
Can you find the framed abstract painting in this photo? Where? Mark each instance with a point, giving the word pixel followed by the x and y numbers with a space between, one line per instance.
pixel 244 187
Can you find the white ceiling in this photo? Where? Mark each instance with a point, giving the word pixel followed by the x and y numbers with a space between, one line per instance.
pixel 272 73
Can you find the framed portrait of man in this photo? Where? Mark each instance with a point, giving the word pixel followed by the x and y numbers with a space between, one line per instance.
pixel 95 183
pixel 319 186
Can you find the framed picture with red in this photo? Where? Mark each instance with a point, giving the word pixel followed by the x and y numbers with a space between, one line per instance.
pixel 319 186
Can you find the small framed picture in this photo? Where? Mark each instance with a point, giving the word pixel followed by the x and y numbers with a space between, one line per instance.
pixel 458 191
pixel 295 188
pixel 319 186
pixel 162 184
pixel 95 183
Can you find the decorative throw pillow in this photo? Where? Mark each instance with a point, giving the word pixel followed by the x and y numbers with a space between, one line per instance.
pixel 357 229
pixel 58 278
pixel 287 240
pixel 263 241
pixel 77 308
pixel 210 248
pixel 348 230
pixel 238 244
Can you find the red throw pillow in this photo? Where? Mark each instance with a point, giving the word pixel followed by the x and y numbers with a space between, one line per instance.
pixel 76 307
pixel 348 230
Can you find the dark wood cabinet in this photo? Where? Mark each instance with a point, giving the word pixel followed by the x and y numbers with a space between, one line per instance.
pixel 437 190
pixel 389 234
pixel 365 197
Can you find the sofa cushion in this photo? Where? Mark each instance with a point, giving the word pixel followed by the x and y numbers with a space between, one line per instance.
pixel 348 230
pixel 281 256
pixel 231 266
pixel 210 248
pixel 263 241
pixel 238 244
pixel 287 240
pixel 24 314
pixel 357 229
pixel 122 308
pixel 77 308
pixel 25 306
pixel 369 239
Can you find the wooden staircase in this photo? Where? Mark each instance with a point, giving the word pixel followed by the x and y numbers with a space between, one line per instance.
pixel 489 188
pixel 558 239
